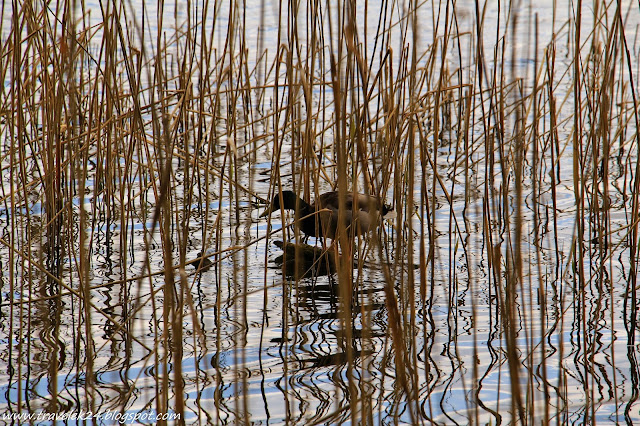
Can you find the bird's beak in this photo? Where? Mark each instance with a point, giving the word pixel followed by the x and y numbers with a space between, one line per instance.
pixel 266 212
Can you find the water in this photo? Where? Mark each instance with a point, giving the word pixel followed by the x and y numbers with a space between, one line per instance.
pixel 252 345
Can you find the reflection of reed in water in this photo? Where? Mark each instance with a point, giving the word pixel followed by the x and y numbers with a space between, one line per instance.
pixel 514 173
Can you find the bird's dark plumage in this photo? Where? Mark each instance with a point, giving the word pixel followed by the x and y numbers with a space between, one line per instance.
pixel 202 263
pixel 320 219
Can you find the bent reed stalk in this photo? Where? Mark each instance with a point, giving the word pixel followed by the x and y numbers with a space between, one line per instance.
pixel 135 136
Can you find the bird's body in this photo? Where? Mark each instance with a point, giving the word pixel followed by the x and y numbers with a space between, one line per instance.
pixel 202 263
pixel 362 213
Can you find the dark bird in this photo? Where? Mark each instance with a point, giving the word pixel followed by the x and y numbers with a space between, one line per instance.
pixel 202 263
pixel 320 219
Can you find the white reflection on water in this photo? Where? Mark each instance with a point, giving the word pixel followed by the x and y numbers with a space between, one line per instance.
pixel 261 348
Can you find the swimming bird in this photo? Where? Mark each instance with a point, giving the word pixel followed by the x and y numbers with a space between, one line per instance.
pixel 320 219
pixel 202 263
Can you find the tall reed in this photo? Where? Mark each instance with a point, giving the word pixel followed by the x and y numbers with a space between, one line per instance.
pixel 135 136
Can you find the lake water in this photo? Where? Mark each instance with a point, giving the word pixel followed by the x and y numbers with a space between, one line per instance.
pixel 510 259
